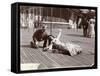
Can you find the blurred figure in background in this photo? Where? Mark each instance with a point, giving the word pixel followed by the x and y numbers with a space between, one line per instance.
pixel 91 29
pixel 84 24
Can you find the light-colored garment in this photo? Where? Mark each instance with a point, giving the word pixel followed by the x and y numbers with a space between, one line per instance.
pixel 73 49
pixel 91 30
pixel 71 23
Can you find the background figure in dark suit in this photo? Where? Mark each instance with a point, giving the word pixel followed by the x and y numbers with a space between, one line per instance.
pixel 85 27
pixel 84 24
pixel 40 35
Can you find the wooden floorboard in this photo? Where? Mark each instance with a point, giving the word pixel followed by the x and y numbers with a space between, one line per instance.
pixel 50 60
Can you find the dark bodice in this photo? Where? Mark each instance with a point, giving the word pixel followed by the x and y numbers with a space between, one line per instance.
pixel 40 35
pixel 61 49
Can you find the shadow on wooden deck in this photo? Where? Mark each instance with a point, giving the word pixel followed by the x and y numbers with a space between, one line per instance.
pixel 55 60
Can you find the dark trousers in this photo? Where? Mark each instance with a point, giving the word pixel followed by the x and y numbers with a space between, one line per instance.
pixel 47 42
pixel 85 32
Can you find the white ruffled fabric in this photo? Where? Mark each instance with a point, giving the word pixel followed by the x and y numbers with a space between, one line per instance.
pixel 73 49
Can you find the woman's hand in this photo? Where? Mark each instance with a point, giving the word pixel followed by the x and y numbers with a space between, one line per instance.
pixel 60 30
pixel 45 49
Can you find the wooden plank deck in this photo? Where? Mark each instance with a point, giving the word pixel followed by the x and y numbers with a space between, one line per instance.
pixel 50 60
pixel 54 60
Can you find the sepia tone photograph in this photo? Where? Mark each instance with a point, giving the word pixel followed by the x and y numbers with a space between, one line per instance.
pixel 54 37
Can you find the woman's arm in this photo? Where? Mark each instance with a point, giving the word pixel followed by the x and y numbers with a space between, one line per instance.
pixel 48 47
pixel 58 37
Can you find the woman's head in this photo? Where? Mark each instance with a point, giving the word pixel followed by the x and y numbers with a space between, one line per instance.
pixel 54 40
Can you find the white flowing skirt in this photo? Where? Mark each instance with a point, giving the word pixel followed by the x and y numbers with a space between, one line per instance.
pixel 73 48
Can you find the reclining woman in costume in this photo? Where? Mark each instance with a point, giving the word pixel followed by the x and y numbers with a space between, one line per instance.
pixel 61 47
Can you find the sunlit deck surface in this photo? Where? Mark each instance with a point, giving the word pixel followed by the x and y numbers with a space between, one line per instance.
pixel 55 60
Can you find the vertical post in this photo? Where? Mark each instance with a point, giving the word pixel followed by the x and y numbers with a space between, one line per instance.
pixel 33 19
pixel 40 13
pixel 38 16
pixel 51 23
pixel 46 13
pixel 60 14
pixel 41 16
pixel 29 25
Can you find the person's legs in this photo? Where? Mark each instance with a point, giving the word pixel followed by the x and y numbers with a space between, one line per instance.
pixel 34 43
pixel 45 43
pixel 84 32
pixel 89 31
pixel 49 41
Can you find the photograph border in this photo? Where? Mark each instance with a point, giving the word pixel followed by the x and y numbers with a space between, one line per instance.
pixel 15 37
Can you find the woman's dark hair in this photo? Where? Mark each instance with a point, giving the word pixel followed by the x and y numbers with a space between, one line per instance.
pixel 51 37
